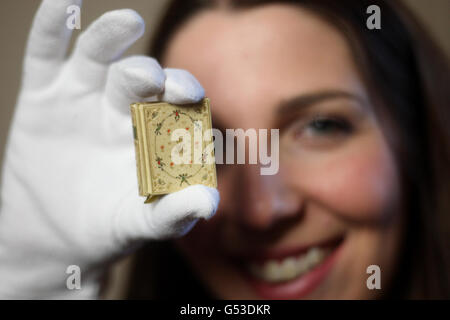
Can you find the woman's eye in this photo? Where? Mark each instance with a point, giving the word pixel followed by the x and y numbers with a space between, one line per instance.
pixel 321 132
pixel 327 126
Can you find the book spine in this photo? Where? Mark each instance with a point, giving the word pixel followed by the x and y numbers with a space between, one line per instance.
pixel 137 147
pixel 144 149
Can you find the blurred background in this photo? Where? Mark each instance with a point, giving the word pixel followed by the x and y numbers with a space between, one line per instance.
pixel 16 17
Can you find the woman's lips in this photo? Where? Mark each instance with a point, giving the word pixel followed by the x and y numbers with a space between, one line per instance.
pixel 289 274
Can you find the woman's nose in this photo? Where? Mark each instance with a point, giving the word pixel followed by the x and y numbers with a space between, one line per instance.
pixel 264 200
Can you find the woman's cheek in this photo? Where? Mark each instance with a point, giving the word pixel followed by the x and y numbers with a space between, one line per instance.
pixel 359 182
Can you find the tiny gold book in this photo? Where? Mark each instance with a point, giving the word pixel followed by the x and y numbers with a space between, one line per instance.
pixel 163 134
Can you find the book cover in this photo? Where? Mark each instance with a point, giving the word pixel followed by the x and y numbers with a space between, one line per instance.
pixel 174 146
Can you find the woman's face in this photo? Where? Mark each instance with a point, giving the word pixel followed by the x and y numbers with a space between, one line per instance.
pixel 312 229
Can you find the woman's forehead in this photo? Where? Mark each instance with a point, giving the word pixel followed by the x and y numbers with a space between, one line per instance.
pixel 257 28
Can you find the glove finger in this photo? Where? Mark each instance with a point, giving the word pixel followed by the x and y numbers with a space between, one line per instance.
pixel 48 41
pixel 181 87
pixel 103 42
pixel 169 217
pixel 133 79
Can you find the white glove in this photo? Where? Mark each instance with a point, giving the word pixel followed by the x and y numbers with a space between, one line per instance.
pixel 69 189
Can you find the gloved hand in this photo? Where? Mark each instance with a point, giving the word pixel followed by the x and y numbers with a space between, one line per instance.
pixel 69 186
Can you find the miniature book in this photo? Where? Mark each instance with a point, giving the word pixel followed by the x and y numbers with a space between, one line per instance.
pixel 174 147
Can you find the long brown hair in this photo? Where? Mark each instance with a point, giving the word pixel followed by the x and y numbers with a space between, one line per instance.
pixel 407 76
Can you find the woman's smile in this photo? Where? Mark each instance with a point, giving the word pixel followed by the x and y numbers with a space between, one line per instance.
pixel 288 273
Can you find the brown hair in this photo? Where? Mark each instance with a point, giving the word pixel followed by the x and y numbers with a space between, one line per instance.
pixel 407 78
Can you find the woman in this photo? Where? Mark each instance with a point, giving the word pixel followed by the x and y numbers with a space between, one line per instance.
pixel 364 153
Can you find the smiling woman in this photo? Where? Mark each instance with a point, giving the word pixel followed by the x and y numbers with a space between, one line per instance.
pixel 364 152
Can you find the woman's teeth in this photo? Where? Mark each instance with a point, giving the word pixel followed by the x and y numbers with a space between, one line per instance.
pixel 288 268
